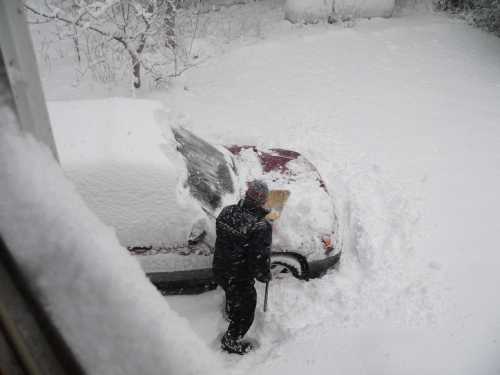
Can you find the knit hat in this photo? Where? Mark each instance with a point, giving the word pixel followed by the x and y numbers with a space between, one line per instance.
pixel 257 192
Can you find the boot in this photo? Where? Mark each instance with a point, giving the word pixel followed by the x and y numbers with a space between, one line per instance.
pixel 231 345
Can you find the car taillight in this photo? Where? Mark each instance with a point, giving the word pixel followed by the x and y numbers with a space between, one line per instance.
pixel 327 244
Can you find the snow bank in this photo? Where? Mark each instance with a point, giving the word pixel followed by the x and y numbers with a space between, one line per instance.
pixel 112 317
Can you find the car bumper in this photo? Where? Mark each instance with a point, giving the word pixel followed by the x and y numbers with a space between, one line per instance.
pixel 202 280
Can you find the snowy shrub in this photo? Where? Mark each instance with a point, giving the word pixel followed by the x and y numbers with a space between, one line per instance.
pixel 482 13
pixel 486 14
pixel 111 36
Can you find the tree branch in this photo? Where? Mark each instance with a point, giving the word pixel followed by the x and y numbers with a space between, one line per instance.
pixel 78 23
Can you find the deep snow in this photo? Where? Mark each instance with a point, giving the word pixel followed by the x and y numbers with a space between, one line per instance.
pixel 401 118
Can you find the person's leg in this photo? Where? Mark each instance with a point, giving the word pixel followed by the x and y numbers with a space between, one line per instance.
pixel 223 283
pixel 244 307
pixel 241 300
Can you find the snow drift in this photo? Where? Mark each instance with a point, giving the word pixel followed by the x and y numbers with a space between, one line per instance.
pixel 113 318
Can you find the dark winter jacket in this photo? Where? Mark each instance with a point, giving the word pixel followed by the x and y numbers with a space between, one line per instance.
pixel 243 244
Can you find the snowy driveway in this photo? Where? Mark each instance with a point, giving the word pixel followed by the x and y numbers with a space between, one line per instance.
pixel 402 118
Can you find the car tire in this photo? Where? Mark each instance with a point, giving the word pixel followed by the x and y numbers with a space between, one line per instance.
pixel 281 269
pixel 288 263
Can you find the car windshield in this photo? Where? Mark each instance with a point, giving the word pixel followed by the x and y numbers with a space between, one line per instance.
pixel 209 177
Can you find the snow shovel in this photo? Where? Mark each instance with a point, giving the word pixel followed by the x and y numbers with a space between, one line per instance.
pixel 275 202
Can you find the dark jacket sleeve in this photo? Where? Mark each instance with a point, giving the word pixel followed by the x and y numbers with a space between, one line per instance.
pixel 260 256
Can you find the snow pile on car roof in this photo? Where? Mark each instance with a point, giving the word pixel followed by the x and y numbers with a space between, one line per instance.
pixel 112 317
pixel 123 162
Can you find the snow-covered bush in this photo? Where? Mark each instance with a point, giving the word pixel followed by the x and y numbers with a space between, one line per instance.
pixel 482 13
pixel 485 14
pixel 448 4
pixel 108 36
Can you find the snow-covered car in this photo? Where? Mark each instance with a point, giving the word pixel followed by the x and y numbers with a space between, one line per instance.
pixel 161 188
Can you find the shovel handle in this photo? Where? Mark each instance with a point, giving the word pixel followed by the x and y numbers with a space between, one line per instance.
pixel 265 296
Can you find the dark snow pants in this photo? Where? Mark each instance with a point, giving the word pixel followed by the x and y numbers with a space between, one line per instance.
pixel 241 299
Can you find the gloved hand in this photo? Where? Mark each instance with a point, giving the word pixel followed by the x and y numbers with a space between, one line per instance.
pixel 273 216
pixel 264 277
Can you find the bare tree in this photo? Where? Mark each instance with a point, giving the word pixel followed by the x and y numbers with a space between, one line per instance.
pixel 170 14
pixel 132 27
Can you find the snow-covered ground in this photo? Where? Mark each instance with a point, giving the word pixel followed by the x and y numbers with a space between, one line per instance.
pixel 401 117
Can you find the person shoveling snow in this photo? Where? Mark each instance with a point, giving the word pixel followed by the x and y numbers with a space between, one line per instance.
pixel 242 254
